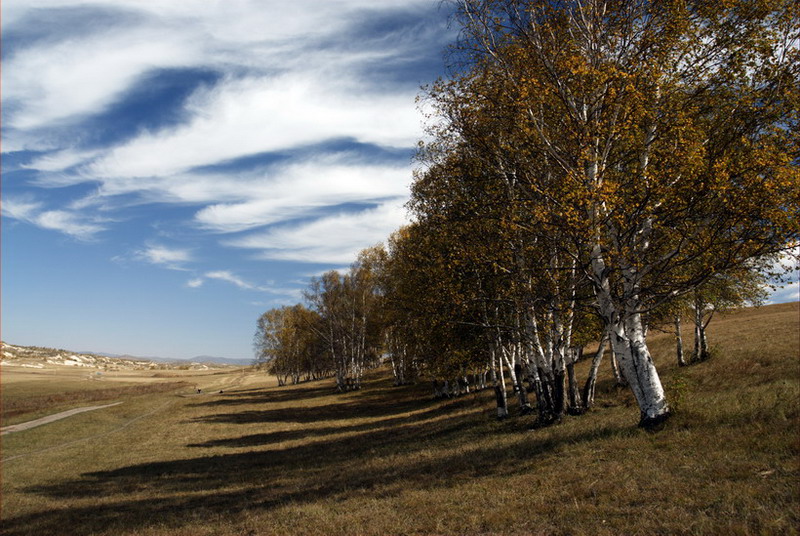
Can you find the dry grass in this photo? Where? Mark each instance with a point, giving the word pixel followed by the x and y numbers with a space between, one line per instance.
pixel 257 459
pixel 17 406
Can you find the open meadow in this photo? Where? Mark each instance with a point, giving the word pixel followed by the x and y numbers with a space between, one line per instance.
pixel 246 457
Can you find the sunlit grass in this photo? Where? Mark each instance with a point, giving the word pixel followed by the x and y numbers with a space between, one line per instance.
pixel 257 459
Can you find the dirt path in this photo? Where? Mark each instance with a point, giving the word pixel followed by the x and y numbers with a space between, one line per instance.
pixel 96 436
pixel 50 418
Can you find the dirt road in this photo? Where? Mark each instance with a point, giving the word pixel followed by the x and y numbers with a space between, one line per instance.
pixel 50 418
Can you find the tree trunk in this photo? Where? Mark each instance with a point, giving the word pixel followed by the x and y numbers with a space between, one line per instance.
pixel 511 370
pixel 698 323
pixel 341 382
pixel 629 345
pixel 396 371
pixel 618 377
pixel 575 399
pixel 703 343
pixel 679 342
pixel 499 388
pixel 591 381
pixel 559 395
pixel 515 371
pixel 522 394
pixel 559 382
pixel 575 406
pixel 636 364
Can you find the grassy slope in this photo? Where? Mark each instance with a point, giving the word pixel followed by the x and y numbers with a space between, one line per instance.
pixel 263 460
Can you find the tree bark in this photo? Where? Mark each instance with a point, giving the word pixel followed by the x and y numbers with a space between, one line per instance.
pixel 559 396
pixel 703 344
pixel 522 393
pixel 515 371
pixel 499 386
pixel 679 342
pixel 575 399
pixel 629 346
pixel 591 381
pixel 618 377
pixel 636 364
pixel 698 322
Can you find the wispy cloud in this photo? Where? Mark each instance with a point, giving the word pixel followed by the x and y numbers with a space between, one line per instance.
pixel 224 275
pixel 256 115
pixel 300 189
pixel 230 277
pixel 54 83
pixel 74 224
pixel 171 258
pixel 334 239
pixel 287 80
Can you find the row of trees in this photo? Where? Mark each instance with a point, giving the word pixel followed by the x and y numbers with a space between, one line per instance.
pixel 338 334
pixel 594 169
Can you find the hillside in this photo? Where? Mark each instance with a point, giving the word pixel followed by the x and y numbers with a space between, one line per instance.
pixel 37 358
pixel 252 458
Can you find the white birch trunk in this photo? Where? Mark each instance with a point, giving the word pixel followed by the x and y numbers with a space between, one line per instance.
pixel 679 342
pixel 574 397
pixel 630 348
pixel 620 379
pixel 512 373
pixel 591 381
pixel 698 322
pixel 499 388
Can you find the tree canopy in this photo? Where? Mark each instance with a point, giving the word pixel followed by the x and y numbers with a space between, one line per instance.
pixel 591 167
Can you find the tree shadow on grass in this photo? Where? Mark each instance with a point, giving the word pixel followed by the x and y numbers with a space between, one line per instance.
pixel 280 436
pixel 351 405
pixel 269 395
pixel 410 442
pixel 308 391
pixel 175 492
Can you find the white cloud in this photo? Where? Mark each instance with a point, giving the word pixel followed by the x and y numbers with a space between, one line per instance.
pixel 172 258
pixel 195 283
pixel 335 239
pixel 61 160
pixel 229 277
pixel 788 293
pixel 68 222
pixel 256 115
pixel 789 267
pixel 74 224
pixel 20 209
pixel 300 189
pixel 292 76
pixel 237 202
pixel 316 91
pixel 51 83
pixel 224 275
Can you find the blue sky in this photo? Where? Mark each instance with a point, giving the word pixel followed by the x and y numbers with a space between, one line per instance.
pixel 173 169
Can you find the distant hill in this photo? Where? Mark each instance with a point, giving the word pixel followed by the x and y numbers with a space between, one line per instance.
pixel 38 357
pixel 221 360
pixel 196 359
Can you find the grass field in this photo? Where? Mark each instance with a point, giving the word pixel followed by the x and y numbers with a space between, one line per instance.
pixel 30 393
pixel 258 459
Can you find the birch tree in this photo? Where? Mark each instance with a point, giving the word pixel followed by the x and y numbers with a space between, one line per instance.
pixel 661 134
pixel 349 310
pixel 286 342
